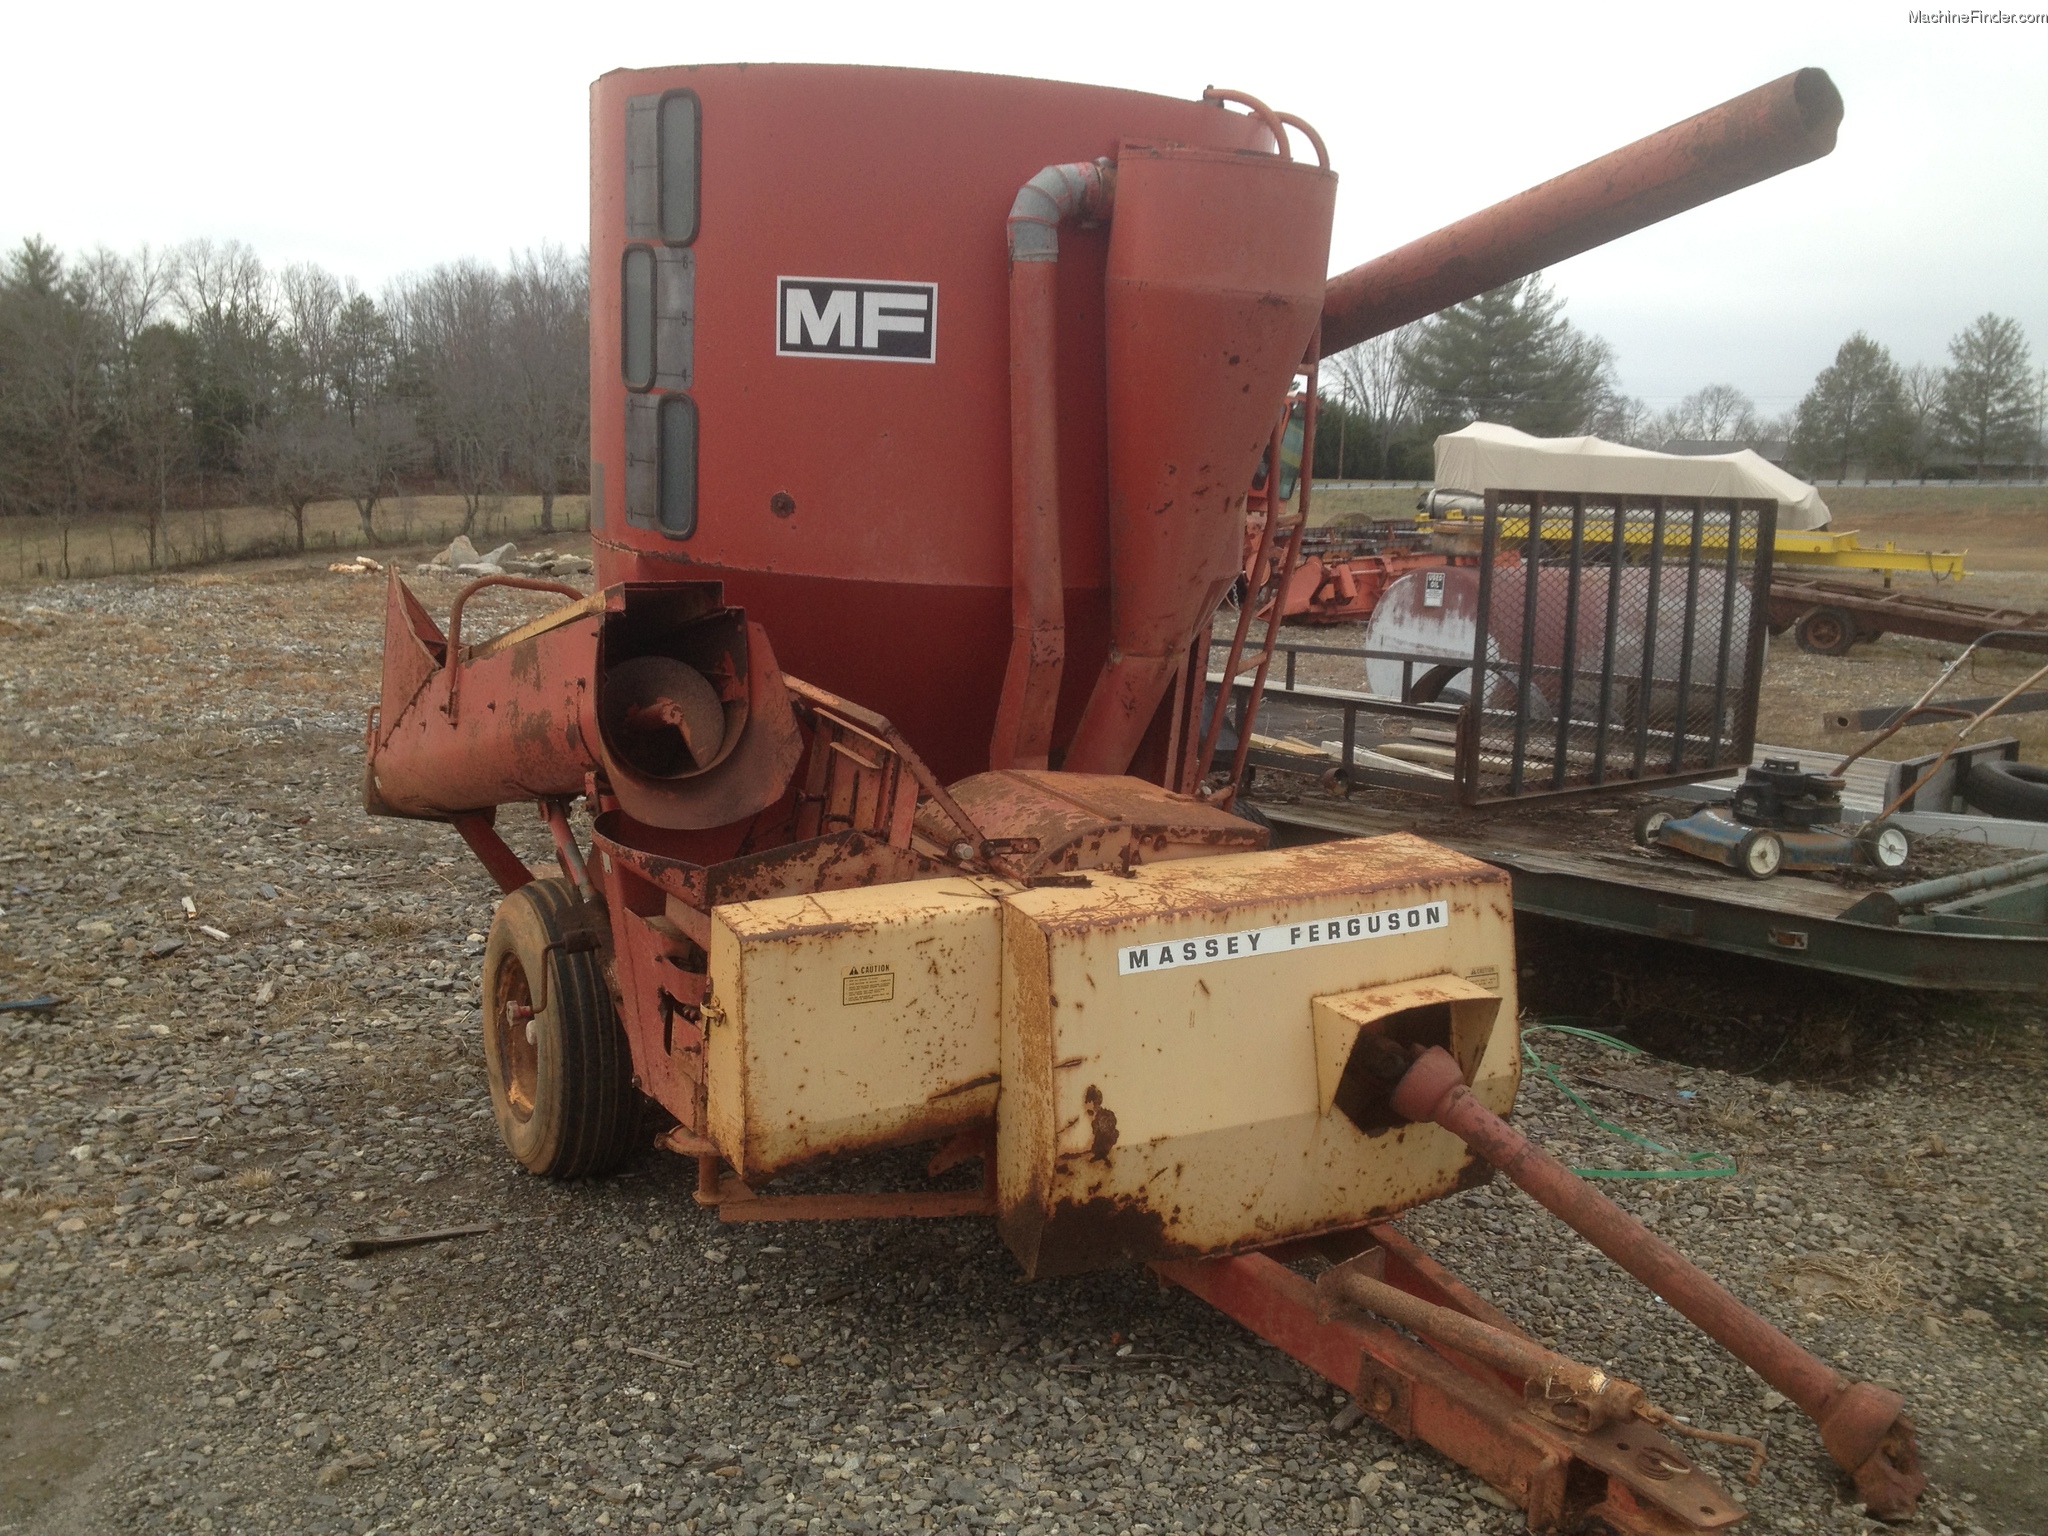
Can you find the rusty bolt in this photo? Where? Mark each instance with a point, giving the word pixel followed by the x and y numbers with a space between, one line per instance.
pixel 782 504
pixel 1652 1462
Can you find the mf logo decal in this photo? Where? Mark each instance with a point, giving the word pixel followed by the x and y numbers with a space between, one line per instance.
pixel 853 317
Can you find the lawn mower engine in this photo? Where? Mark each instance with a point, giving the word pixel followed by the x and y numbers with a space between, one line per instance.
pixel 1780 817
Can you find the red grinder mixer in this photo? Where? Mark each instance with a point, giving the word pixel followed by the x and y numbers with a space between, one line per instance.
pixel 924 409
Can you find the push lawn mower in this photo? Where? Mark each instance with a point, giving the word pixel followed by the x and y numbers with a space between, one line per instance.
pixel 1779 818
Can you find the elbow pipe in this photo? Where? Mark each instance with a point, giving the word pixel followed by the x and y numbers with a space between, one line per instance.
pixel 1038 645
pixel 1751 138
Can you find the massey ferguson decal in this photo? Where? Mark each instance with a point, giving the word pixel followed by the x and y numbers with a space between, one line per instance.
pixel 1249 943
pixel 854 317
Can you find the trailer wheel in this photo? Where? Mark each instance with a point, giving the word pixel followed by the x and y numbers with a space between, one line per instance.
pixel 1885 844
pixel 560 1072
pixel 1826 632
pixel 1759 854
pixel 1650 821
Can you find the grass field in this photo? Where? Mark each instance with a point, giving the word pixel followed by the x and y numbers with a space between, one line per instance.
pixel 34 549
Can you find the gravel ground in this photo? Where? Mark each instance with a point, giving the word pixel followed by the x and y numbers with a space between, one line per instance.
pixel 185 1140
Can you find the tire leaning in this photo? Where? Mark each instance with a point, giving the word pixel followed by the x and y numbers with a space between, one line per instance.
pixel 2018 791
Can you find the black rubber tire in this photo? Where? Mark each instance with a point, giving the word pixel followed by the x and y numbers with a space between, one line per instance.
pixel 1648 820
pixel 1434 686
pixel 1885 845
pixel 1760 854
pixel 1826 632
pixel 561 1079
pixel 2018 791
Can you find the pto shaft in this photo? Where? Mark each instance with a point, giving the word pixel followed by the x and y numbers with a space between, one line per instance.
pixel 1861 1425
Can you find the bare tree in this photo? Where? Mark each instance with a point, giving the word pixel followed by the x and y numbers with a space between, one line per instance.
pixel 310 305
pixel 291 459
pixel 450 323
pixel 1717 413
pixel 58 349
pixel 148 395
pixel 374 449
pixel 547 366
pixel 220 294
pixel 1629 419
pixel 1376 381
pixel 1921 389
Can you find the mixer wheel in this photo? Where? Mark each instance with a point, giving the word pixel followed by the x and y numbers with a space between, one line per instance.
pixel 560 1071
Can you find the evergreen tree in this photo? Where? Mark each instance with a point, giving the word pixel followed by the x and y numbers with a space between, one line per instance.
pixel 1855 413
pixel 1987 393
pixel 1510 356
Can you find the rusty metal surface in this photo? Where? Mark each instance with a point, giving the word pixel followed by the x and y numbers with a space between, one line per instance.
pixel 1886 610
pixel 1174 1109
pixel 1249 713
pixel 1063 822
pixel 535 724
pixel 452 708
pixel 1863 1426
pixel 849 1020
pixel 1751 138
pixel 1615 1415
pixel 527 733
pixel 874 790
pixel 492 851
pixel 1038 622
pixel 759 750
pixel 1562 1479
pixel 1214 282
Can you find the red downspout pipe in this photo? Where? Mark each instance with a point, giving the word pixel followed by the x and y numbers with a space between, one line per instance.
pixel 1038 622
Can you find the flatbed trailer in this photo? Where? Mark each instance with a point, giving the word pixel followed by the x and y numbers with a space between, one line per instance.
pixel 1827 617
pixel 1575 863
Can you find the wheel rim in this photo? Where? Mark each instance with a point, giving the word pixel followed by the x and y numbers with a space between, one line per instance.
pixel 1764 856
pixel 1892 848
pixel 512 1024
pixel 1824 631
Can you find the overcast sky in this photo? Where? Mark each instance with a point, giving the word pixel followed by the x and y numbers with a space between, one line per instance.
pixel 377 138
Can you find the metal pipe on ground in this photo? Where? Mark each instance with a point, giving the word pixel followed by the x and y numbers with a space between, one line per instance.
pixel 1863 1426
pixel 1885 907
pixel 1749 139
pixel 1602 1396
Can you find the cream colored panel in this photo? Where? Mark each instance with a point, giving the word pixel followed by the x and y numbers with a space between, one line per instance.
pixel 1174 1108
pixel 852 1019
